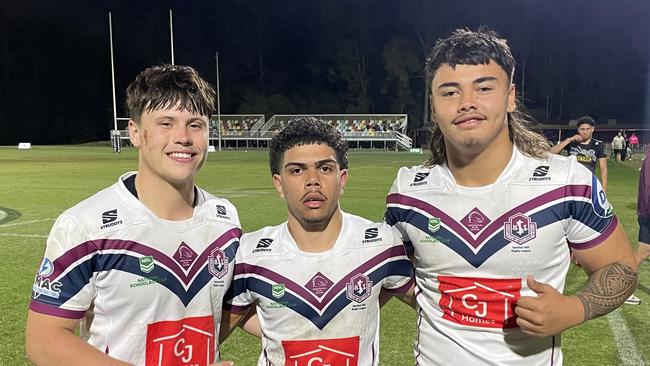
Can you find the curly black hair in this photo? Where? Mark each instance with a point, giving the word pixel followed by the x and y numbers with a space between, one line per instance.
pixel 305 131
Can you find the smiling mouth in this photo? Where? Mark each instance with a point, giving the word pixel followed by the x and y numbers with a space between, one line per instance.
pixel 180 155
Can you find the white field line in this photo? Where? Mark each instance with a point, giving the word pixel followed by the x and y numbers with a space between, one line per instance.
pixel 24 223
pixel 24 235
pixel 627 352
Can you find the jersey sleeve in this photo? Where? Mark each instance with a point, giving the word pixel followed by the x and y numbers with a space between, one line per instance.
pixel 394 214
pixel 64 284
pixel 238 297
pixel 400 275
pixel 600 151
pixel 590 217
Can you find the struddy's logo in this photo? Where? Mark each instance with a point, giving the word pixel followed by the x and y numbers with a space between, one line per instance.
pixel 519 229
pixel 540 174
pixel 359 288
pixel 109 218
pixel 222 212
pixel 479 302
pixel 371 235
pixel 420 179
pixel 475 220
pixel 147 264
pixel 218 263
pixel 263 245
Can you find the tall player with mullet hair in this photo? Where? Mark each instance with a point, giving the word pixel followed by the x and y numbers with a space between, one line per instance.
pixel 316 278
pixel 141 267
pixel 491 217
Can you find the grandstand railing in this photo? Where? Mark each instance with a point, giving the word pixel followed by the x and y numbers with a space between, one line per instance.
pixel 387 131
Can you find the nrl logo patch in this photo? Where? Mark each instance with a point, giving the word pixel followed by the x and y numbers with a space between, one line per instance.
pixel 434 224
pixel 147 264
pixel 277 290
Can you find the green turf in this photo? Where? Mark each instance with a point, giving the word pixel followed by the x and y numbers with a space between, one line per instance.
pixel 40 183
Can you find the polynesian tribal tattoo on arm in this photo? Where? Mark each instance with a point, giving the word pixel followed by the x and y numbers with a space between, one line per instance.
pixel 606 289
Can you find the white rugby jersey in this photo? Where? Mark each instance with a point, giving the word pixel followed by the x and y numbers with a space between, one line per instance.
pixel 150 290
pixel 320 308
pixel 474 248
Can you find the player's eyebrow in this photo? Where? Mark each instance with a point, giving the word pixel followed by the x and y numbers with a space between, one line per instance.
pixel 475 82
pixel 318 163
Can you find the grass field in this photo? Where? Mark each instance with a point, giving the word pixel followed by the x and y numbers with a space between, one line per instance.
pixel 36 185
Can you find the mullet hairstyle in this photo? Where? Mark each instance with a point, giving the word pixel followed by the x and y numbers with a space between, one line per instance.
pixel 465 47
pixel 305 131
pixel 167 86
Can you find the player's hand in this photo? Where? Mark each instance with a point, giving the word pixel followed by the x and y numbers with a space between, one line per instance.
pixel 576 138
pixel 223 363
pixel 549 313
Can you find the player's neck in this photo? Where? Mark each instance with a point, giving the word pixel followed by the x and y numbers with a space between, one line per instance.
pixel 166 201
pixel 316 238
pixel 482 168
pixel 586 142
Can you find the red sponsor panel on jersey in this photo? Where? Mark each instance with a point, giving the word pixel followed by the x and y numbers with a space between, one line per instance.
pixel 185 342
pixel 480 302
pixel 322 352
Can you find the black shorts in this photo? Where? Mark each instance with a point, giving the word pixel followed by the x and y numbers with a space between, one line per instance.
pixel 644 229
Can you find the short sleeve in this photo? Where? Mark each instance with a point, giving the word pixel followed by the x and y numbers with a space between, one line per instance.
pixel 64 283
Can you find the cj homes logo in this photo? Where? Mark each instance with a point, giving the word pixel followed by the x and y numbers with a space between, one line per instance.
pixel 263 245
pixel 371 235
pixel 419 179
pixel 109 218
pixel 540 174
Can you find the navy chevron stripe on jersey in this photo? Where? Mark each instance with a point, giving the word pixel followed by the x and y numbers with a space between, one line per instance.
pixel 542 218
pixel 304 307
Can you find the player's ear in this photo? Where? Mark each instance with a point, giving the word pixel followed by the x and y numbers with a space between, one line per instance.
pixel 512 98
pixel 343 179
pixel 134 131
pixel 277 182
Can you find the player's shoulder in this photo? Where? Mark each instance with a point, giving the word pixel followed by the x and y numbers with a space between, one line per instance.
pixel 359 231
pixel 417 177
pixel 103 212
pixel 262 242
pixel 555 169
pixel 218 208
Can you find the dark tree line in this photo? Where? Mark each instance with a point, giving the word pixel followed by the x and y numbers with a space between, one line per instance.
pixel 292 57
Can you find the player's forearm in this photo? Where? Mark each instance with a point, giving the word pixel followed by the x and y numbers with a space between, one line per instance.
pixel 556 149
pixel 62 347
pixel 606 289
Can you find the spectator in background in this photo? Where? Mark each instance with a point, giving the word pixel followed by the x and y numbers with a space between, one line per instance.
pixel 626 145
pixel 617 145
pixel 634 143
pixel 585 148
pixel 643 212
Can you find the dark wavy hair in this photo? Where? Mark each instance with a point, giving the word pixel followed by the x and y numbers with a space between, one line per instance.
pixel 465 47
pixel 164 86
pixel 305 131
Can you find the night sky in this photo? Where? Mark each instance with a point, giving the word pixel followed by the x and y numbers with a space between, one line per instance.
pixel 574 57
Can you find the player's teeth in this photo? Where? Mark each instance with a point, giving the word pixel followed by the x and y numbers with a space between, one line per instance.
pixel 181 155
